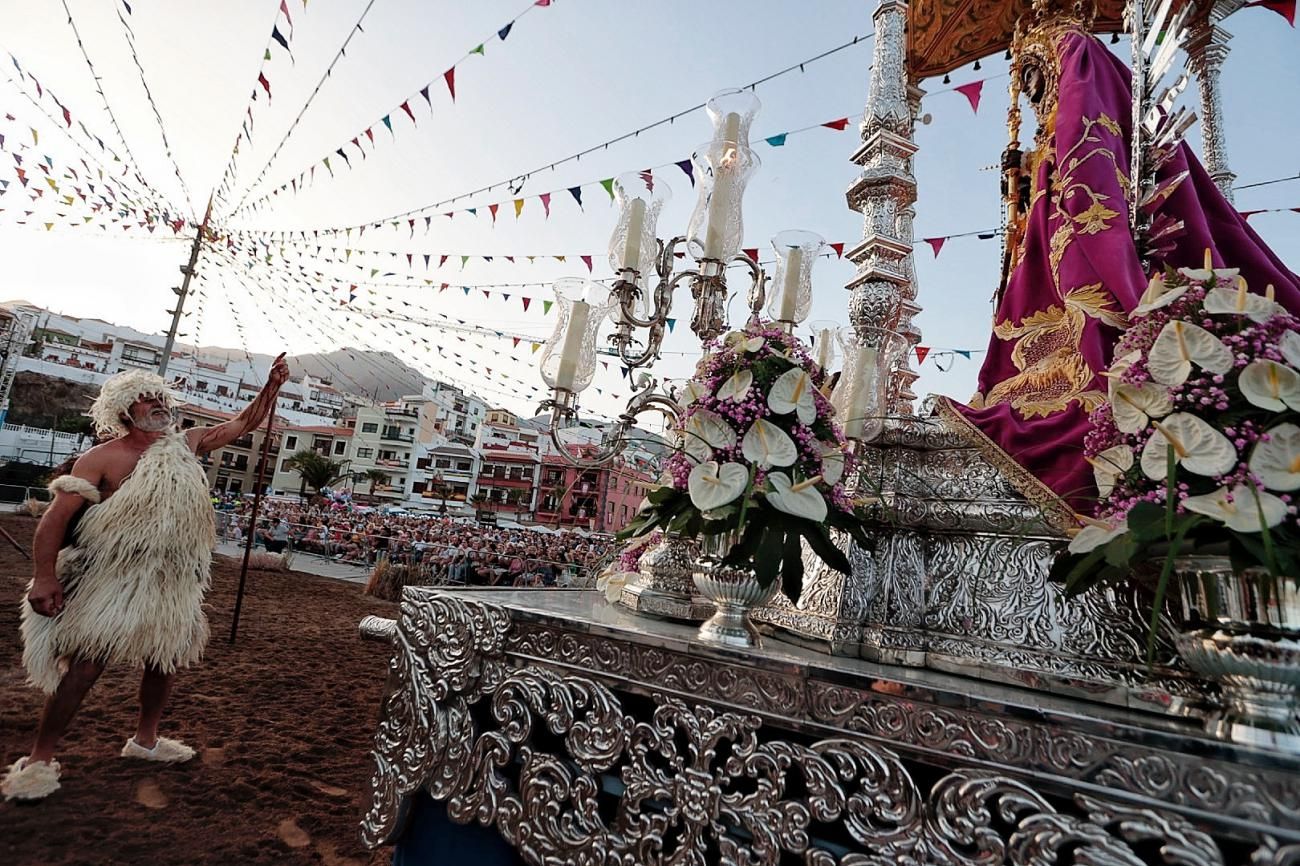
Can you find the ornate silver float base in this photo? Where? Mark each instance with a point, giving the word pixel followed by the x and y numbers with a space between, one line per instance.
pixel 664 587
pixel 585 735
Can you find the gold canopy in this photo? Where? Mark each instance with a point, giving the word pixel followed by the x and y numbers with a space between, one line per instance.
pixel 945 34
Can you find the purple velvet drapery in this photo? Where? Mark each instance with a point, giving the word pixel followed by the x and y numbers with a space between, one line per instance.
pixel 1078 275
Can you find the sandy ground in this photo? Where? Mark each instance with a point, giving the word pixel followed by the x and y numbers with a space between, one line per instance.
pixel 282 722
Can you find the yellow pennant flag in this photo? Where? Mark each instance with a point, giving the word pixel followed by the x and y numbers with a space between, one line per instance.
pixel 519 206
pixel 535 346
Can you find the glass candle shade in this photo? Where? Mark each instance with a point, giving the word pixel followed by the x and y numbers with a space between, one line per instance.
pixel 640 197
pixel 862 394
pixel 569 360
pixel 716 228
pixel 825 342
pixel 790 294
pixel 732 111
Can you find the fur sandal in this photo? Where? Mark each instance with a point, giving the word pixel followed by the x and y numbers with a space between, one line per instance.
pixel 30 780
pixel 165 750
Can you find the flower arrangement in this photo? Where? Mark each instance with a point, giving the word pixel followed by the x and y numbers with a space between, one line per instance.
pixel 760 456
pixel 1197 450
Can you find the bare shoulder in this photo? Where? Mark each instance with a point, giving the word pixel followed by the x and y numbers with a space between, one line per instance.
pixel 194 438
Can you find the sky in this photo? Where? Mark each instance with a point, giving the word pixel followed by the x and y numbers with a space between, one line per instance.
pixel 567 77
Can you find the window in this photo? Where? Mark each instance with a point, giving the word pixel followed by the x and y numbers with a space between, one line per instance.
pixel 417 487
pixel 442 463
pixel 291 442
pixel 370 427
pixel 340 446
pixel 463 466
pixel 365 453
pixel 284 465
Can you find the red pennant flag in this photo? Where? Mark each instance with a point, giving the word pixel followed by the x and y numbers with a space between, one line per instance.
pixel 443 287
pixel 1247 214
pixel 586 260
pixel 370 134
pixel 516 341
pixel 526 301
pixel 1285 8
pixel 839 249
pixel 837 125
pixel 752 252
pixel 408 260
pixel 486 294
pixel 921 352
pixel 261 79
pixel 442 260
pixel 67 115
pixel 406 106
pixel 936 244
pixel 546 203
pixel 972 93
pixel 493 208
pixel 450 77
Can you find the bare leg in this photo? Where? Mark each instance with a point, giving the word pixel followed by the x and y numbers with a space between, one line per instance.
pixel 61 706
pixel 155 686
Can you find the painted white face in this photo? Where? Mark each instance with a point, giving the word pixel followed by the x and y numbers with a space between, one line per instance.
pixel 151 415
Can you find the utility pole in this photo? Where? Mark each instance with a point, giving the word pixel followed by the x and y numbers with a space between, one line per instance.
pixel 183 291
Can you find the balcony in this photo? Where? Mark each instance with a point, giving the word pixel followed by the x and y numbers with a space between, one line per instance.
pixel 393 434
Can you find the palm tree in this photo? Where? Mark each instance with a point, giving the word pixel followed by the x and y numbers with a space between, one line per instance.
pixel 374 476
pixel 316 469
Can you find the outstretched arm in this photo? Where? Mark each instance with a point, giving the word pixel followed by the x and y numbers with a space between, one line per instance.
pixel 205 439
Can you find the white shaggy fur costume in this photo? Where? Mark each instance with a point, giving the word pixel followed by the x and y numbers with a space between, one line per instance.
pixel 135 576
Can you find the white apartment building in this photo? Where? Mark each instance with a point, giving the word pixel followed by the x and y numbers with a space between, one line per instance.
pixel 460 415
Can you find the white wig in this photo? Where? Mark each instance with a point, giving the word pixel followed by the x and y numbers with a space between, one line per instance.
pixel 117 395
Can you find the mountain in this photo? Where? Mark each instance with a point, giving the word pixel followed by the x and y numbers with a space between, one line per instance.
pixel 363 372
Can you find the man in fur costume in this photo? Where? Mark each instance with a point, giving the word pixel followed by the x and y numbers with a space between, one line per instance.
pixel 128 585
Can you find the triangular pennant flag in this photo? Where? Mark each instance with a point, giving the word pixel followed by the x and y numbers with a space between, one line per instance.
pixel 463 260
pixel 586 260
pixel 388 122
pixel 837 125
pixel 426 261
pixel 776 140
pixel 535 347
pixel 442 260
pixel 965 353
pixel 279 37
pixel 575 191
pixel 493 209
pixel 627 371
pixel 1247 214
pixel 406 106
pixel 486 294
pixel 608 184
pixel 921 352
pixel 478 49
pixel 519 206
pixel 685 165
pixel 752 253
pixel 671 323
pixel 546 203
pixel 505 31
pixel 450 77
pixel 424 91
pixel 516 341
pixel 526 302
pixel 972 93
pixel 266 85
pixel 465 289
pixel 839 249
pixel 1285 8
pixel 546 307
pixel 936 244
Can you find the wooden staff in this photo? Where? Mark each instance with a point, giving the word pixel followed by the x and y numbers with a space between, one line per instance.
pixel 252 524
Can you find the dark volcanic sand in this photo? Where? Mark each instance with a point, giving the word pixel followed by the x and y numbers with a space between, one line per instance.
pixel 282 723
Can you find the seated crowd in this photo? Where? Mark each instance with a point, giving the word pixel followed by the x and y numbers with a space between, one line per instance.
pixel 439 549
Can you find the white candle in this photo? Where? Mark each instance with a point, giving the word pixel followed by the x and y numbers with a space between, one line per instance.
pixel 571 351
pixel 860 387
pixel 720 200
pixel 635 225
pixel 823 347
pixel 790 288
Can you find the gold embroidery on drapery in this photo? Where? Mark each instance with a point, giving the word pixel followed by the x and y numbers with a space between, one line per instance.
pixel 1053 373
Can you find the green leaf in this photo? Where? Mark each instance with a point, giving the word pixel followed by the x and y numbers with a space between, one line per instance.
pixel 1146 521
pixel 660 495
pixel 820 541
pixel 767 559
pixel 792 567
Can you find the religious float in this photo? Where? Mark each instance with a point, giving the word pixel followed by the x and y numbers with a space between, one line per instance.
pixel 1059 623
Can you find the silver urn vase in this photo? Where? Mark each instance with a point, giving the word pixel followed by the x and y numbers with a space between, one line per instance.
pixel 1242 632
pixel 734 591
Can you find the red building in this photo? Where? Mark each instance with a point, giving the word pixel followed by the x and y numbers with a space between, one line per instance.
pixel 507 475
pixel 601 499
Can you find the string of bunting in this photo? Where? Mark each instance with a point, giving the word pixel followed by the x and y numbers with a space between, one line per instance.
pixel 307 176
pixel 245 133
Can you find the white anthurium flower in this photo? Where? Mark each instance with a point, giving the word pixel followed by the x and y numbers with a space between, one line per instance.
pixel 1198 448
pixel 1179 346
pixel 706 430
pixel 742 342
pixel 768 445
pixel 1206 274
pixel 1289 346
pixel 1270 385
pixel 832 464
pixel 1239 302
pixel 1121 365
pixel 1095 534
pixel 1157 295
pixel 712 486
pixel 1239 508
pixel 737 387
pixel 793 392
pixel 1134 405
pixel 1276 462
pixel 801 500
pixel 1109 465
pixel 691 392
